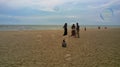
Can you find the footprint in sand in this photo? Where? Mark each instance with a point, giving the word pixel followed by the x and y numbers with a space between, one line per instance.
pixel 68 57
pixel 39 37
pixel 53 35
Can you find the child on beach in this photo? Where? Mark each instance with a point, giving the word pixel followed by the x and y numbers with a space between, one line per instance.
pixel 64 43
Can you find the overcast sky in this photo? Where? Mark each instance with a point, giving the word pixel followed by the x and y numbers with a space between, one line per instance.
pixel 40 12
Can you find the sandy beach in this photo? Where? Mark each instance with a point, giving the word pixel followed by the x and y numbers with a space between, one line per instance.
pixel 43 48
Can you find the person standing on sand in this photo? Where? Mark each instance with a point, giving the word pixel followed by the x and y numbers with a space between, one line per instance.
pixel 98 27
pixel 85 28
pixel 77 29
pixel 105 27
pixel 73 30
pixel 65 29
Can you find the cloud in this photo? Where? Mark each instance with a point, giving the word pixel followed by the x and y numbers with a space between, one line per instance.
pixel 105 4
pixel 47 5
pixel 56 10
pixel 50 5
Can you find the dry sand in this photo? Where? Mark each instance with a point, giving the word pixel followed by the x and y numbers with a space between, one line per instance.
pixel 94 48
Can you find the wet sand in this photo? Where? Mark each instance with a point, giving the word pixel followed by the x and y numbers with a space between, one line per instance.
pixel 94 48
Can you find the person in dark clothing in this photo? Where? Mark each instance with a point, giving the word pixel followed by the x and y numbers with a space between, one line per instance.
pixel 85 29
pixel 77 29
pixel 73 30
pixel 98 27
pixel 65 29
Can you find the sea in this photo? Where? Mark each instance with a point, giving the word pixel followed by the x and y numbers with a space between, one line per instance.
pixel 47 27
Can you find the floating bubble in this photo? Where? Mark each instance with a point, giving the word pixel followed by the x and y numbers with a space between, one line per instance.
pixel 106 14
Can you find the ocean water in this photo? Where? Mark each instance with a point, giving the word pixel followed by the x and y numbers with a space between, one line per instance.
pixel 46 27
pixel 29 27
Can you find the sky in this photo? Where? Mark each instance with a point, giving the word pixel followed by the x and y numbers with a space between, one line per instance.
pixel 57 12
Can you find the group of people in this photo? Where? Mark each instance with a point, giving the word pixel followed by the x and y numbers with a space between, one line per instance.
pixel 74 32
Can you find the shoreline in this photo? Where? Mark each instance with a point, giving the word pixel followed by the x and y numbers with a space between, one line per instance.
pixel 102 28
pixel 47 27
